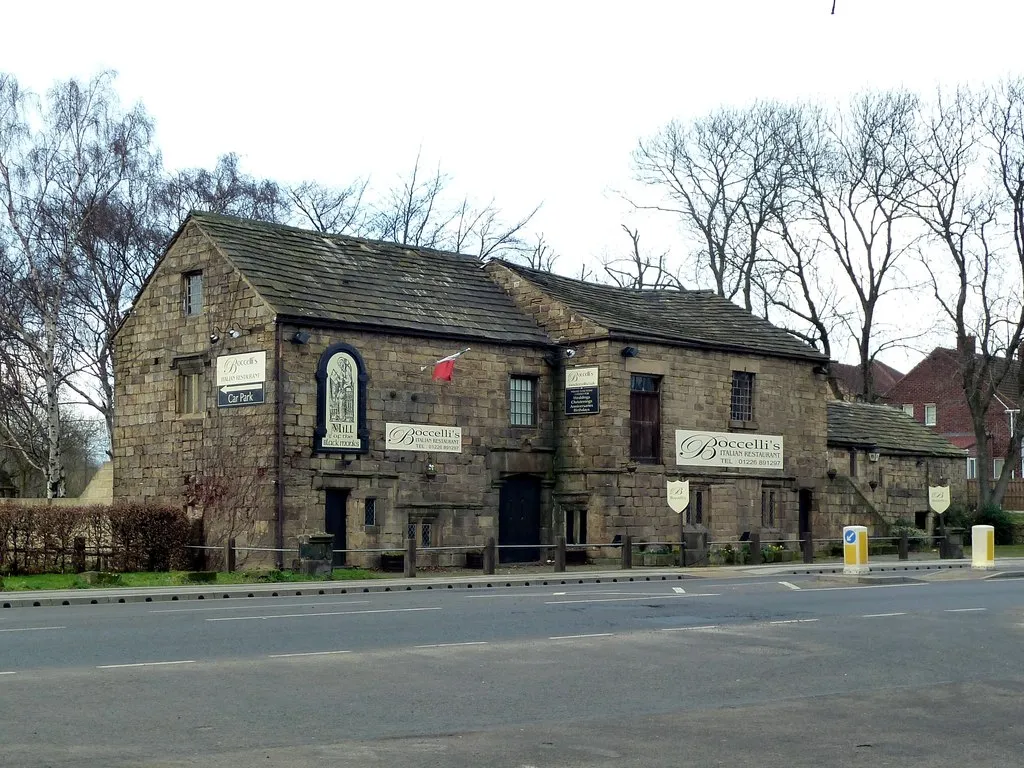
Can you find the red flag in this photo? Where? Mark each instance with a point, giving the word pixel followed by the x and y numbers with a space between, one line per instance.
pixel 444 367
pixel 443 370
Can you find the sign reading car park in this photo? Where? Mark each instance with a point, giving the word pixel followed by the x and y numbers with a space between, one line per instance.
pixel 241 379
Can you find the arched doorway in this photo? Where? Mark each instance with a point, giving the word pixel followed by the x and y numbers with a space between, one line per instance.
pixel 519 519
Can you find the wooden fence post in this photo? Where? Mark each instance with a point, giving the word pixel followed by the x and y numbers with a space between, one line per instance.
pixel 489 556
pixel 410 557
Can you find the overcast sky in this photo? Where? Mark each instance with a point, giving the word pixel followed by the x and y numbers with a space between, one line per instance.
pixel 528 102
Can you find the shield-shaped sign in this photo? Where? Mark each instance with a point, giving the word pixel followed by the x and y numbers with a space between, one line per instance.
pixel 938 498
pixel 678 494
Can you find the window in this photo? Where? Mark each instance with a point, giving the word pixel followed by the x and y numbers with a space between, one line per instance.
pixel 369 512
pixel 522 402
pixel 853 462
pixel 908 408
pixel 644 419
pixel 997 468
pixel 930 415
pixel 769 507
pixel 576 526
pixel 421 530
pixel 192 293
pixel 425 530
pixel 696 513
pixel 972 468
pixel 742 396
pixel 190 392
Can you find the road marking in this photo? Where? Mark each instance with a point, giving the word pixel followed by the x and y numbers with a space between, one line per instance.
pixel 679 590
pixel 320 613
pixel 249 607
pixel 145 664
pixel 622 599
pixel 882 615
pixel 556 594
pixel 791 586
pixel 30 629
pixel 964 610
pixel 793 621
pixel 8 673
pixel 576 637
pixel 865 586
pixel 685 629
pixel 451 645
pixel 308 653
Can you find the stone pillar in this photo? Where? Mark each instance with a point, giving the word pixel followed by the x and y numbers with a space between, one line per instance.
pixel 559 554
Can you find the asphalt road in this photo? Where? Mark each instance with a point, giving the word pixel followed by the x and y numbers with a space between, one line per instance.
pixel 792 673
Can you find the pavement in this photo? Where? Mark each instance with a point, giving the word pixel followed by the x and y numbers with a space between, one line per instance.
pixel 781 669
pixel 518 577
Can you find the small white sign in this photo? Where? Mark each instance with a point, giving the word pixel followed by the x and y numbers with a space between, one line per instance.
pixel 422 437
pixel 728 449
pixel 938 498
pixel 581 377
pixel 678 494
pixel 248 368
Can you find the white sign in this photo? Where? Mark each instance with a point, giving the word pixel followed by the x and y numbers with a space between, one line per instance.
pixel 422 437
pixel 938 498
pixel 678 494
pixel 250 368
pixel 580 377
pixel 728 449
pixel 342 402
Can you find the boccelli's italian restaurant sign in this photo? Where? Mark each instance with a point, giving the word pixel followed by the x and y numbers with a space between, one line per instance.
pixel 728 449
pixel 423 437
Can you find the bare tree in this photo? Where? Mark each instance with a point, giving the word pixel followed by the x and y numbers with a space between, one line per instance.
pixel 970 183
pixel 337 210
pixel 639 270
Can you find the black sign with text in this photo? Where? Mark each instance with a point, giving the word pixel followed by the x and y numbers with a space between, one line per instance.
pixel 582 400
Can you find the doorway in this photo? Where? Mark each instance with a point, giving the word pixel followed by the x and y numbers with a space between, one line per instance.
pixel 806 501
pixel 335 521
pixel 519 519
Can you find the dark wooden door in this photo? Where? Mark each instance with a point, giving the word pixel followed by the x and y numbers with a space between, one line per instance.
pixel 335 522
pixel 519 519
pixel 805 510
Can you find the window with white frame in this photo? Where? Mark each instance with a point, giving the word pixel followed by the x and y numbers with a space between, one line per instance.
pixel 908 408
pixel 930 415
pixel 192 293
pixel 972 468
pixel 997 468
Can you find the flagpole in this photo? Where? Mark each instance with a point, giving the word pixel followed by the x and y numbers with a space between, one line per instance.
pixel 443 359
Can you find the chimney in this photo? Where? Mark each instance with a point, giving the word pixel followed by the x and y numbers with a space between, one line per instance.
pixel 967 344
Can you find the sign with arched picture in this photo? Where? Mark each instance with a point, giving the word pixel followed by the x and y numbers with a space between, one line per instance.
pixel 341 401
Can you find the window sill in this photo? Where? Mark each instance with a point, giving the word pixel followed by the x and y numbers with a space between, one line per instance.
pixel 746 426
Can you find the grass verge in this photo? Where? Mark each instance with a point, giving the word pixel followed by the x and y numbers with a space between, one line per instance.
pixel 170 578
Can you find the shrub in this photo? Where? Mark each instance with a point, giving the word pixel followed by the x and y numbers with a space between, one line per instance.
pixel 999 519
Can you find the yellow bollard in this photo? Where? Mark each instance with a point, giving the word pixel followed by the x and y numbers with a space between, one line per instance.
pixel 855 549
pixel 983 547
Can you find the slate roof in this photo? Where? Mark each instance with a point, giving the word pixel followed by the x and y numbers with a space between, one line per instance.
pixel 894 432
pixel 852 381
pixel 689 318
pixel 311 276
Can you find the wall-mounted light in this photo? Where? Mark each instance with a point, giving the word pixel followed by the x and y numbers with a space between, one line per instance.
pixel 820 370
pixel 873 484
pixel 214 337
pixel 630 351
pixel 234 333
pixel 570 352
pixel 873 454
pixel 831 473
pixel 300 337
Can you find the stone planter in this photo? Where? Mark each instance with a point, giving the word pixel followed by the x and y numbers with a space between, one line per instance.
pixel 392 563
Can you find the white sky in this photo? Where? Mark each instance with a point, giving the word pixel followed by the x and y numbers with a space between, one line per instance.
pixel 527 102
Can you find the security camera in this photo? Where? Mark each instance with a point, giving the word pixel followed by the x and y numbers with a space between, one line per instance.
pixel 570 353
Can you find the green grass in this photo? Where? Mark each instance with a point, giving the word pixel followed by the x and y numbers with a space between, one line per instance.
pixel 1003 550
pixel 171 578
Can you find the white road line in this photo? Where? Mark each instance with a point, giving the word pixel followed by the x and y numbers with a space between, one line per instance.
pixel 791 586
pixel 793 621
pixel 30 629
pixel 451 645
pixel 576 637
pixel 882 615
pixel 557 594
pixel 320 613
pixel 685 629
pixel 964 610
pixel 145 664
pixel 249 606
pixel 679 590
pixel 623 599
pixel 865 586
pixel 308 653
pixel 8 673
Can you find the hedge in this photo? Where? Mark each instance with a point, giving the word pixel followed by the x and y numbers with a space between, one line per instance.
pixel 127 536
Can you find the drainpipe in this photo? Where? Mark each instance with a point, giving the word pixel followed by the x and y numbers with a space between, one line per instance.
pixel 279 446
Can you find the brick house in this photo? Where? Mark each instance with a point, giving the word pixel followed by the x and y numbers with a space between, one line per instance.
pixel 932 393
pixel 881 463
pixel 849 379
pixel 276 381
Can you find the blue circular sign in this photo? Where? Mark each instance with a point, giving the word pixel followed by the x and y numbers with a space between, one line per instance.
pixel 850 537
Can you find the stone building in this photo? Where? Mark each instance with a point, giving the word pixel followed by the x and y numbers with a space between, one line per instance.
pixel 276 381
pixel 881 463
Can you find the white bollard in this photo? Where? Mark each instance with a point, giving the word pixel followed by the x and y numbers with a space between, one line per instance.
pixel 983 547
pixel 855 549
